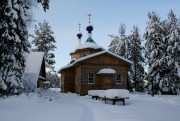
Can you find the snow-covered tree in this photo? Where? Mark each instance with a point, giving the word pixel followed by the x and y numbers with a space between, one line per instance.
pixel 136 56
pixel 45 3
pixel 119 44
pixel 114 43
pixel 155 47
pixel 44 41
pixel 13 43
pixel 14 17
pixel 171 81
pixel 53 78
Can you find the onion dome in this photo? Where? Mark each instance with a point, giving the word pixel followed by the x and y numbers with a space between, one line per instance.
pixel 79 34
pixel 89 28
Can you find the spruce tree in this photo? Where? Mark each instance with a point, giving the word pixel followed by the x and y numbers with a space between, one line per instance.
pixel 114 43
pixel 13 43
pixel 171 81
pixel 155 47
pixel 14 16
pixel 122 47
pixel 136 56
pixel 119 44
pixel 44 41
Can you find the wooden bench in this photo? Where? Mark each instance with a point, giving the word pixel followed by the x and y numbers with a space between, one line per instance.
pixel 116 99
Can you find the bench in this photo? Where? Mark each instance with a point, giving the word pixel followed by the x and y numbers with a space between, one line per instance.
pixel 114 95
pixel 116 99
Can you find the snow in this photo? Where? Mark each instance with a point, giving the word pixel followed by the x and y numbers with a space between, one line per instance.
pixel 112 93
pixel 79 44
pixel 88 45
pixel 72 107
pixel 3 85
pixel 178 72
pixel 107 71
pixel 33 66
pixel 94 92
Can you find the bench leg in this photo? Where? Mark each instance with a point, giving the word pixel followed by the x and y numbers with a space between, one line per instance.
pixel 123 101
pixel 105 99
pixel 113 102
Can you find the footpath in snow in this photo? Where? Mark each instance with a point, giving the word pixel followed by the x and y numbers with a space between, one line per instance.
pixel 71 107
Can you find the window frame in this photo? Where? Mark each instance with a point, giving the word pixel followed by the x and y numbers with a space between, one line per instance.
pixel 117 79
pixel 93 78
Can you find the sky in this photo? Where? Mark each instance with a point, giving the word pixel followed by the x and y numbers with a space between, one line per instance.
pixel 107 15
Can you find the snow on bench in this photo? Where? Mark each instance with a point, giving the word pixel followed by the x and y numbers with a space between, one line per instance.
pixel 95 93
pixel 102 94
pixel 113 95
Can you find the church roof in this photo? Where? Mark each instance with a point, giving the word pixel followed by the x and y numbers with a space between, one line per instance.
pixel 93 55
pixel 90 43
pixel 89 39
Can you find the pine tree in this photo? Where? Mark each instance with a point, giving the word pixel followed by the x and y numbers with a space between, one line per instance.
pixel 44 42
pixel 155 47
pixel 136 56
pixel 13 43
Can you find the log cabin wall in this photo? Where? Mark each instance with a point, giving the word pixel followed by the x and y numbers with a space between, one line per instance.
pixel 68 80
pixel 103 81
pixel 62 81
pixel 78 79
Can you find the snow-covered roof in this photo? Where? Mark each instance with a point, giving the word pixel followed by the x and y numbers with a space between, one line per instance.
pixel 92 45
pixel 93 55
pixel 33 66
pixel 106 71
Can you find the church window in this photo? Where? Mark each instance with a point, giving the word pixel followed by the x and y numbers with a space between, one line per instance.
pixel 91 78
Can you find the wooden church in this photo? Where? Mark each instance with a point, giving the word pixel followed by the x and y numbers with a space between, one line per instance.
pixel 93 68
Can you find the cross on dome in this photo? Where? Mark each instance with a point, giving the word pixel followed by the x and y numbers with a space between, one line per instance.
pixel 89 18
pixel 89 28
pixel 79 26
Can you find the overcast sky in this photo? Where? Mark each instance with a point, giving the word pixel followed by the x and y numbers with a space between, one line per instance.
pixel 64 16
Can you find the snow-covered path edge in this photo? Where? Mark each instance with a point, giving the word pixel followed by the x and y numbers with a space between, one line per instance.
pixel 72 107
pixel 138 108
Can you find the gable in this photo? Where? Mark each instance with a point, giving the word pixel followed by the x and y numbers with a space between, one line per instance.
pixel 105 58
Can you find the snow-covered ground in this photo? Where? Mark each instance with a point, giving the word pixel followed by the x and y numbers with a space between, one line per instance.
pixel 71 107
